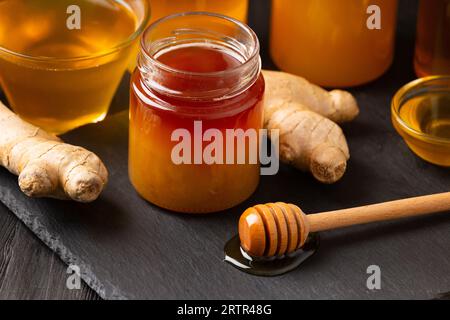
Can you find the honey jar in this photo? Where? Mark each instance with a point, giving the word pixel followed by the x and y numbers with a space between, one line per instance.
pixel 433 38
pixel 198 73
pixel 334 43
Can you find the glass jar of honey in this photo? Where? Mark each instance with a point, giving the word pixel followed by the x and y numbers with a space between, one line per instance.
pixel 237 9
pixel 198 84
pixel 334 43
pixel 433 38
pixel 62 61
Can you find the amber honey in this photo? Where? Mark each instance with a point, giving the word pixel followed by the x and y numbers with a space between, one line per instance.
pixel 329 42
pixel 429 114
pixel 58 77
pixel 421 114
pixel 433 38
pixel 234 8
pixel 237 9
pixel 180 82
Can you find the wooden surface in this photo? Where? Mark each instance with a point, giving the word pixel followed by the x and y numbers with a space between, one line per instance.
pixel 127 248
pixel 28 269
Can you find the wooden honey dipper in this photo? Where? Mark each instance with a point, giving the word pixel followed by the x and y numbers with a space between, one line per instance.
pixel 277 229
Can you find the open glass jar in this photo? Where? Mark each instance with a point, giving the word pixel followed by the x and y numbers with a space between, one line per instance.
pixel 198 76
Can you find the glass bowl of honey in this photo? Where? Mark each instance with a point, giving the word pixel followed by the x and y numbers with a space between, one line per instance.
pixel 62 61
pixel 421 115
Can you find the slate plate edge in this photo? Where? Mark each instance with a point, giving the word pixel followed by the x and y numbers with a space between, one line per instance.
pixel 56 246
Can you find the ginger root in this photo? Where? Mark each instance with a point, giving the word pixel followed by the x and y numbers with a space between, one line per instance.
pixel 46 166
pixel 305 116
pixel 339 106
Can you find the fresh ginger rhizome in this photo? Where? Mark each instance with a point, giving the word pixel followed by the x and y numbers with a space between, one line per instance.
pixel 228 147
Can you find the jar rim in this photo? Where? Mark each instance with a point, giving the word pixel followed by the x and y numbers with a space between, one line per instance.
pixel 254 54
pixel 397 103
pixel 139 30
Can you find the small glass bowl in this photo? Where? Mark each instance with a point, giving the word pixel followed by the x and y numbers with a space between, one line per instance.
pixel 409 122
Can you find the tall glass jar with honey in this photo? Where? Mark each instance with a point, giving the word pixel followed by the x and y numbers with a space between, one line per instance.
pixel 334 43
pixel 433 38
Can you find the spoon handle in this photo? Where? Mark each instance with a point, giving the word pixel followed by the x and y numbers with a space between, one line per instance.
pixel 380 212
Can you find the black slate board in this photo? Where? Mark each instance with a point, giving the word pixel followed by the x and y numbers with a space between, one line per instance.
pixel 128 248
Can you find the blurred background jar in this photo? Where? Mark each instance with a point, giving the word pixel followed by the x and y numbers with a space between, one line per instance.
pixel 433 38
pixel 234 8
pixel 237 9
pixel 329 42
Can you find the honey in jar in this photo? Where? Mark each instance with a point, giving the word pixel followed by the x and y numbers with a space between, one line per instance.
pixel 59 76
pixel 433 38
pixel 185 78
pixel 332 43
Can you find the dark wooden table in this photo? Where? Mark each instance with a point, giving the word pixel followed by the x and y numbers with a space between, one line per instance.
pixel 29 270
